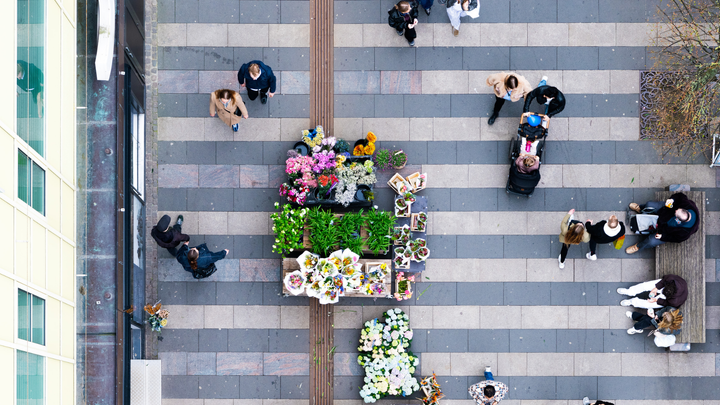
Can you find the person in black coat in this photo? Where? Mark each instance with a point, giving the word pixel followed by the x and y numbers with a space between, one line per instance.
pixel 168 237
pixel 549 95
pixel 603 232
pixel 403 17
pixel 676 223
pixel 258 78
pixel 199 260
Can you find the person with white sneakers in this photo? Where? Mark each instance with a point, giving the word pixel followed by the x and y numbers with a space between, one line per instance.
pixel 671 290
pixel 586 401
pixel 667 321
pixel 603 232
pixel 488 392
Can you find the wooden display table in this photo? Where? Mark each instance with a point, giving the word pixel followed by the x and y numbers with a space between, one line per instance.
pixel 290 265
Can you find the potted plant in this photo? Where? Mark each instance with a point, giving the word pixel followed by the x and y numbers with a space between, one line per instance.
pixel 288 227
pixel 325 184
pixel 379 227
pixel 398 159
pixel 403 286
pixel 341 146
pixel 382 159
pixel 366 146
pixel 324 235
pixel 418 223
pixel 402 207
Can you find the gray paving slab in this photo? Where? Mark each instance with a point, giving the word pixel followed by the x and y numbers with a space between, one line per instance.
pixel 672 388
pixel 389 105
pixel 213 340
pixel 603 152
pixel 255 199
pixel 187 11
pixel 712 293
pixel 166 11
pixel 608 199
pixel 180 386
pixel 219 11
pixel 480 293
pixel 248 246
pixel 346 387
pixel 181 57
pixel 567 152
pixel 357 82
pixel 576 387
pixel 467 105
pixel 521 246
pixel 712 246
pixel 273 295
pixel 621 11
pixel 643 195
pixel 275 153
pixel 477 152
pixel 248 340
pixel 255 108
pixel 172 105
pixel 533 58
pixel 707 388
pixel 396 58
pixel 354 106
pixel 357 12
pixel 217 243
pixel 201 293
pixel 171 152
pixel 417 152
pixel 172 293
pixel 622 58
pixel 236 153
pixel 486 58
pixel 447 341
pixel 197 105
pixel 480 246
pixel 355 59
pixel 444 152
pixel 615 105
pixel 527 293
pixel 294 387
pixel 533 387
pixel 626 387
pixel 172 199
pixel 473 199
pixel 503 153
pixel 210 199
pixel 574 294
pixel 346 340
pixel 232 293
pixel 577 11
pixel 578 58
pixel 289 106
pixel 419 342
pixel 509 202
pixel 639 152
pixel 201 153
pixel 243 55
pixel 219 58
pixel 454 387
pixel 260 386
pixel 533 11
pixel 578 105
pixel 566 199
pixel 286 58
pixel 437 199
pixel 618 341
pixel 489 340
pixel 579 341
pixel 439 58
pixel 294 12
pixel 607 292
pixel 434 293
pixel 498 13
pixel 288 340
pixel 259 12
pixel 533 341
pixel 385 6
pixel 427 105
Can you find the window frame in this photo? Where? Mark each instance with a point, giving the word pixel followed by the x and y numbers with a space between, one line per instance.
pixel 41 166
pixel 44 373
pixel 31 292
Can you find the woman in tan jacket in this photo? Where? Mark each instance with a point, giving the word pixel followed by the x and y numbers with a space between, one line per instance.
pixel 572 232
pixel 507 86
pixel 229 107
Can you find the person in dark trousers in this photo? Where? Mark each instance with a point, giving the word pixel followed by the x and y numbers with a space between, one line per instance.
pixel 168 237
pixel 199 260
pixel 572 232
pixel 506 86
pixel 403 17
pixel 603 232
pixel 30 78
pixel 548 95
pixel 427 5
pixel 677 221
pixel 586 401
pixel 670 290
pixel 666 321
pixel 258 78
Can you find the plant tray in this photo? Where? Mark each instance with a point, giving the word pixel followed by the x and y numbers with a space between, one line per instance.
pixel 394 179
pixel 364 235
pixel 414 218
pixel 406 213
pixel 411 181
pixel 397 285
pixel 403 267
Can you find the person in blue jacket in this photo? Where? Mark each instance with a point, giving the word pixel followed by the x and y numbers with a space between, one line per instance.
pixel 257 77
pixel 199 260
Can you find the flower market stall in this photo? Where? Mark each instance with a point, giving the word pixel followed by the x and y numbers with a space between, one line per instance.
pixel 410 249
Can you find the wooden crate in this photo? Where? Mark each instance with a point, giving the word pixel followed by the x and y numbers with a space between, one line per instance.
pixel 411 180
pixel 396 177
pixel 290 265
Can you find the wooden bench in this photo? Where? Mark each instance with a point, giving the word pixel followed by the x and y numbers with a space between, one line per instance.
pixel 687 260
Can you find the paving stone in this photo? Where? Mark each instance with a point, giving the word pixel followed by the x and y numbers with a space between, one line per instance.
pixel 578 58
pixel 180 386
pixel 248 340
pixel 260 12
pixel 573 293
pixel 179 340
pixel 436 293
pixel 187 11
pixel 354 59
pixel 486 58
pixel 294 12
pixel 201 363
pixel 447 340
pixel 166 11
pixel 240 363
pixel 286 363
pixel 187 58
pixel 229 293
pixel 219 387
pixel 294 387
pixel 576 387
pixel 200 293
pixel 290 106
pixel 357 82
pixel 527 293
pixel 346 364
pixel 219 176
pixel 283 58
pixel 533 11
pixel 465 105
pixel 702 388
pixel 477 152
pixel 622 58
pixel 346 387
pixel 618 341
pixel 533 387
pixel 204 199
pixel 479 246
pixel 567 152
pixel 610 11
pixel 246 153
pixel 172 199
pixel 356 12
pixel 174 293
pixel 535 58
pixel 202 153
pixel 215 340
pixel 388 105
pixel 289 340
pixel 533 340
pixel 172 105
pixel 354 106
pixel 527 246
pixel 578 11
pixel 248 246
pixel 579 341
pixel 400 82
pixel 197 106
pixel 219 11
pixel 489 340
pixel 266 387
pixel 395 58
pixel 439 58
pixel 219 59
pixel 173 363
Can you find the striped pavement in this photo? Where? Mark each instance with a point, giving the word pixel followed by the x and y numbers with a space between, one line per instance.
pixel 492 293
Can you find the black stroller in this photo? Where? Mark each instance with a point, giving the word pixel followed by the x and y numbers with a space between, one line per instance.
pixel 524 183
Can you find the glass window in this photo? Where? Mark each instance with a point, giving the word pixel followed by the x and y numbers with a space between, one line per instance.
pixel 30 73
pixel 30 379
pixel 137 134
pixel 31 318
pixel 31 183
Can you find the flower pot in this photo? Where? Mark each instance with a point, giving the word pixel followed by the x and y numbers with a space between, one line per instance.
pixel 362 142
pixel 359 193
pixel 301 148
pixel 398 167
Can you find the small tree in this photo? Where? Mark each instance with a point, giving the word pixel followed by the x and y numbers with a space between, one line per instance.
pixel 683 114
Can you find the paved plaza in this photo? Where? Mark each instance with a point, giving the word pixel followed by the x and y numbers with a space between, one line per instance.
pixel 492 293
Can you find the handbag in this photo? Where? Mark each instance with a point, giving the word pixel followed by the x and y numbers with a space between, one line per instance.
pixel 204 273
pixel 646 223
pixel 662 340
pixel 618 243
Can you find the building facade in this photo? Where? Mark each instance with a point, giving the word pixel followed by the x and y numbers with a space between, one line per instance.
pixel 38 202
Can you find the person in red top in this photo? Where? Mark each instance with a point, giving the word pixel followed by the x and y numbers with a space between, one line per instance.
pixel 671 290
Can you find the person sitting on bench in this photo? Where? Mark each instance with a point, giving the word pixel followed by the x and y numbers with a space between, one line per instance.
pixel 667 321
pixel 671 290
pixel 677 221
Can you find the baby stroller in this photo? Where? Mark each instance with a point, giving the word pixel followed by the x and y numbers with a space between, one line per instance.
pixel 524 183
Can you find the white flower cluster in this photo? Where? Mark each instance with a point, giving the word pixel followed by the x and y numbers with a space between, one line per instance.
pixel 386 358
pixel 345 192
pixel 356 173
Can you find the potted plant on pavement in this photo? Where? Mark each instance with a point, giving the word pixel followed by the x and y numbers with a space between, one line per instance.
pixel 398 159
pixel 382 159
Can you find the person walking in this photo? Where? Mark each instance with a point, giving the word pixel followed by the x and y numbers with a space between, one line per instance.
pixel 547 95
pixel 507 86
pixel 258 78
pixel 670 290
pixel 676 222
pixel 426 5
pixel 603 232
pixel 167 237
pixel 229 107
pixel 199 260
pixel 488 392
pixel 572 232
pixel 403 17
pixel 461 8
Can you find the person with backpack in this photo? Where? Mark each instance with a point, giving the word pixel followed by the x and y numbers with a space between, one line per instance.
pixel 677 221
pixel 199 260
pixel 403 17
pixel 603 232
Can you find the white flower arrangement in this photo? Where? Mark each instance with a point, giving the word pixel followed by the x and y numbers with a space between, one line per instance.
pixel 345 192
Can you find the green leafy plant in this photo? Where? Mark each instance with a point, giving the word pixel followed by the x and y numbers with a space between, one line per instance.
pixel 324 234
pixel 398 158
pixel 382 159
pixel 349 230
pixel 379 225
pixel 288 226
pixel 341 146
